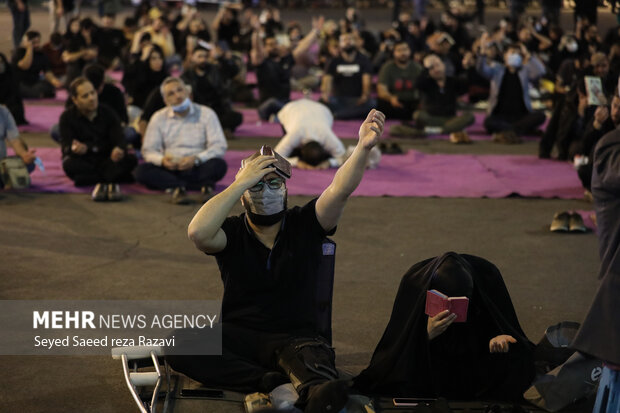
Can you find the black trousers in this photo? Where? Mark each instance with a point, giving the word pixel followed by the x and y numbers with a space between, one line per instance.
pixel 247 357
pixel 391 112
pixel 158 177
pixel 90 170
pixel 523 125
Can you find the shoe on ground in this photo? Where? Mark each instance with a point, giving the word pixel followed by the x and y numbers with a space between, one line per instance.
pixel 575 223
pixel 507 137
pixel 406 131
pixel 206 193
pixel 100 193
pixel 395 149
pixel 179 196
pixel 114 193
pixel 560 222
pixel 255 402
pixel 460 137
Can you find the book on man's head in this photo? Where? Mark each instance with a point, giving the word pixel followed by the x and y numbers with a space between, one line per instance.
pixel 437 302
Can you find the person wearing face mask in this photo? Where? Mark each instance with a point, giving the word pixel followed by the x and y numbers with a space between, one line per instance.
pixel 346 85
pixel 183 146
pixel 268 261
pixel 510 110
pixel 210 81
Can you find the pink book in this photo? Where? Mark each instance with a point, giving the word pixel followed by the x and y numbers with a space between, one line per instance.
pixel 437 302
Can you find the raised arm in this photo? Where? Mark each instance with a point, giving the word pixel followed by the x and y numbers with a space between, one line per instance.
pixel 331 203
pixel 309 39
pixel 205 230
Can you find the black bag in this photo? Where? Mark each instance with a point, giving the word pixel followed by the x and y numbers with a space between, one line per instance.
pixel 567 384
pixel 553 349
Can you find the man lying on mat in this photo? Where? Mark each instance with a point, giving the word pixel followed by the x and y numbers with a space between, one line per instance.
pixel 309 141
pixel 267 258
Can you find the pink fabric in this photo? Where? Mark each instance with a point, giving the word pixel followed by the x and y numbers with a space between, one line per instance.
pixel 413 174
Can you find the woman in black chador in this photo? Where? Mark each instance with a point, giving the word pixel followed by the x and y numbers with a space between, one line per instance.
pixel 487 357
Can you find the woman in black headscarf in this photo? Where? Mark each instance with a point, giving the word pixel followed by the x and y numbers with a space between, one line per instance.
pixel 144 75
pixel 9 91
pixel 487 357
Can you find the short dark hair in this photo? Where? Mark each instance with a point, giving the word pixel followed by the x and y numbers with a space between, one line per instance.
pixel 95 73
pixel 75 84
pixel 32 34
pixel 200 49
pixel 313 153
pixel 87 24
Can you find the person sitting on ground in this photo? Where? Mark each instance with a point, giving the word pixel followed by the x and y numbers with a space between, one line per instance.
pixel 346 85
pixel 80 48
pixel 183 146
pixel 510 111
pixel 486 357
pixel 53 50
pixel 274 63
pixel 32 65
pixel 398 97
pixel 160 35
pixel 226 25
pixel 108 95
pixel 9 91
pixel 93 146
pixel 605 120
pixel 209 78
pixel 110 41
pixel 144 75
pixel 10 135
pixel 309 142
pixel 438 106
pixel 268 259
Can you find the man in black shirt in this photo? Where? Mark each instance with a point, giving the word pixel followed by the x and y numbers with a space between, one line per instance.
pixel 31 62
pixel 346 84
pixel 439 99
pixel 93 147
pixel 510 112
pixel 273 64
pixel 210 82
pixel 268 260
pixel 110 41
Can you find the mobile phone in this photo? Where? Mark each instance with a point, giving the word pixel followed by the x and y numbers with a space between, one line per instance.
pixel 283 167
pixel 409 401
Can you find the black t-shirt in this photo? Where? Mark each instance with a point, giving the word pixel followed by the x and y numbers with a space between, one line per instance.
pixel 274 78
pixel 273 290
pixel 347 76
pixel 510 99
pixel 440 101
pixel 110 42
pixel 227 32
pixel 101 134
pixel 40 65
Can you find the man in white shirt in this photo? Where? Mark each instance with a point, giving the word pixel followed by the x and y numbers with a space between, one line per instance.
pixel 309 142
pixel 183 146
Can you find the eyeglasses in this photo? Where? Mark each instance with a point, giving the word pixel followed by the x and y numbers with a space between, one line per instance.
pixel 274 183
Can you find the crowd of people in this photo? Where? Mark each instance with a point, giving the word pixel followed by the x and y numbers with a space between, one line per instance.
pixel 166 126
pixel 429 74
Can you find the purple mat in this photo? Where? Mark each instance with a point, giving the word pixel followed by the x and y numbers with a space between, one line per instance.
pixel 413 174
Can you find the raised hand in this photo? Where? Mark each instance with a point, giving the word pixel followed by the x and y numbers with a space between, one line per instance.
pixel 254 170
pixel 440 323
pixel 372 129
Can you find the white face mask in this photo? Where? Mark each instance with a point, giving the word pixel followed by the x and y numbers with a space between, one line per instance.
pixel 266 202
pixel 515 60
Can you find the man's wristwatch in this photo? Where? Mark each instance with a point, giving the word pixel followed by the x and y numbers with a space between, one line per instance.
pixel 197 161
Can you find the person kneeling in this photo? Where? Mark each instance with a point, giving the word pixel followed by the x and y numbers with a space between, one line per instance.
pixel 486 357
pixel 93 144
